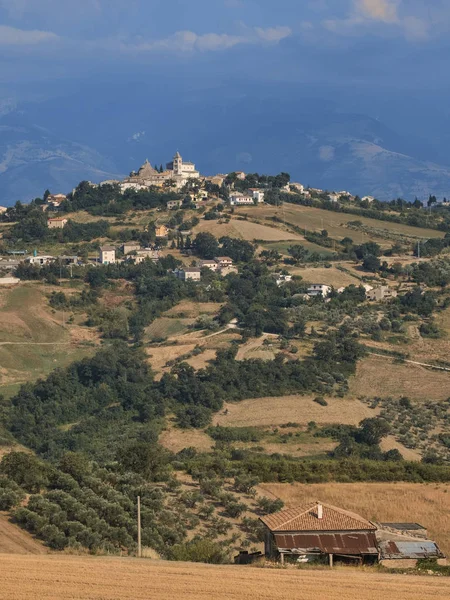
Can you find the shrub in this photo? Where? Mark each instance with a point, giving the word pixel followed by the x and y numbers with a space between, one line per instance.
pixel 268 506
pixel 320 400
pixel 205 551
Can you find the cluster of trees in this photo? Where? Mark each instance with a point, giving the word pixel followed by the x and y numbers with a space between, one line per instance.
pixel 207 246
pixel 254 180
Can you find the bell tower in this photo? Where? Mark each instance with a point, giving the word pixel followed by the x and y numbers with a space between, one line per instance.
pixel 177 164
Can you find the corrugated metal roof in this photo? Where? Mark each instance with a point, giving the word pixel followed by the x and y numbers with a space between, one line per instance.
pixel 419 549
pixel 328 543
pixel 403 526
pixel 306 518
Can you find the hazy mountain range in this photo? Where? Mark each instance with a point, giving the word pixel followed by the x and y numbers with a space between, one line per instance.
pixel 106 131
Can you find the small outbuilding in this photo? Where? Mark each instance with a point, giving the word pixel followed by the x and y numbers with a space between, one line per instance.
pixel 320 530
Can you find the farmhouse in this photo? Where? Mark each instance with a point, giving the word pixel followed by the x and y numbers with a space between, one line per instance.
pixel 40 260
pixel 191 274
pixel 224 261
pixel 212 265
pixel 144 254
pixel 173 204
pixel 320 530
pixel 107 255
pixel 238 199
pixel 57 223
pixel 381 293
pixel 319 289
pixel 130 247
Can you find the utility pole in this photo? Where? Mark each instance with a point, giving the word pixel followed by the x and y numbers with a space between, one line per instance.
pixel 139 551
pixel 418 249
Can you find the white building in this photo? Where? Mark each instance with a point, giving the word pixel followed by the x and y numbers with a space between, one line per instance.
pixel 212 265
pixel 182 171
pixel 107 255
pixel 44 259
pixel 334 197
pixel 280 279
pixel 173 204
pixel 368 199
pixel 57 223
pixel 319 289
pixel 189 274
pixel 258 195
pixel 381 293
pixel 237 199
pixel 145 254
pixel 224 261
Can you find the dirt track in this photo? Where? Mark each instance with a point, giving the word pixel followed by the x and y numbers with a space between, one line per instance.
pixel 77 578
pixel 14 540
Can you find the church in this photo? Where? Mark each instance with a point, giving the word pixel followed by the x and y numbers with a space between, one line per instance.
pixel 177 171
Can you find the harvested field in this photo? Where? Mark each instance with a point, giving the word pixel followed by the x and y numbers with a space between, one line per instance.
pixel 14 540
pixel 377 376
pixel 177 439
pixel 246 230
pixel 89 578
pixel 164 327
pixel 426 504
pixel 159 356
pixel 295 409
pixel 316 219
pixel 255 348
pixel 201 360
pixel 331 276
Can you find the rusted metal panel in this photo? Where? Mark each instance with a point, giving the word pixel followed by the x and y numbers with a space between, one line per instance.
pixel 409 549
pixel 328 543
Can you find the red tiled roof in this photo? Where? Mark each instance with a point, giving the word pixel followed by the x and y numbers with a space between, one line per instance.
pixel 305 518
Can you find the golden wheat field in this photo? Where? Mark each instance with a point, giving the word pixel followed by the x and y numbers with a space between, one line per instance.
pixel 87 578
pixel 427 504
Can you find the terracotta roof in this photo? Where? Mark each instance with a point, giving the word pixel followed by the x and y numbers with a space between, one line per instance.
pixel 305 518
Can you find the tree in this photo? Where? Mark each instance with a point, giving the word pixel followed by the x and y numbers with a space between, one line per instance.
pixel 149 460
pixel 26 470
pixel 371 263
pixel 206 245
pixel 372 431
pixel 369 248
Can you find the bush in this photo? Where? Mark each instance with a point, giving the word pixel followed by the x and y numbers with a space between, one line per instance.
pixel 205 551
pixel 320 400
pixel 268 506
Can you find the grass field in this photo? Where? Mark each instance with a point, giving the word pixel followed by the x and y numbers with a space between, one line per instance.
pixel 377 376
pixel 295 409
pixel 427 504
pixel 331 276
pixel 247 230
pixel 89 578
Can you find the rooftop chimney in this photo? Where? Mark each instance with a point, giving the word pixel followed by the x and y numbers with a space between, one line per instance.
pixel 319 511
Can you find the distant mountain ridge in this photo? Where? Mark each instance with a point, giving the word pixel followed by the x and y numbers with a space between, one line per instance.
pixel 315 141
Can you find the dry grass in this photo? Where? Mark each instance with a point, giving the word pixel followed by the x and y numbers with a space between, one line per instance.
pixel 14 540
pixel 427 504
pixel 390 443
pixel 192 310
pixel 89 578
pixel 294 409
pixel 331 276
pixel 377 376
pixel 165 327
pixel 255 348
pixel 336 223
pixel 177 439
pixel 247 230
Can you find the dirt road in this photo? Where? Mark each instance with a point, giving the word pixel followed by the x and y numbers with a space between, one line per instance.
pixel 54 577
pixel 14 540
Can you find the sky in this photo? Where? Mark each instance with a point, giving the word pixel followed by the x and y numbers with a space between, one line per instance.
pixel 49 39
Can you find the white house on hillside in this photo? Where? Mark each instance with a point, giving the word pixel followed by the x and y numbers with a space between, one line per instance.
pixel 319 289
pixel 107 255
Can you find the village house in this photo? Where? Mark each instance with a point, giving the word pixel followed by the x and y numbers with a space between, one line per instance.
pixel 53 202
pixel 320 530
pixel 224 261
pixel 239 199
pixel 319 289
pixel 281 278
pixel 3 209
pixel 240 175
pixel 189 274
pixel 128 247
pixel 173 204
pixel 212 265
pixel 298 187
pixel 224 271
pixel 107 255
pixel 145 254
pixel 333 197
pixel 216 179
pixel 161 231
pixel 257 194
pixel 57 223
pixel 381 294
pixel 41 260
pixel 368 199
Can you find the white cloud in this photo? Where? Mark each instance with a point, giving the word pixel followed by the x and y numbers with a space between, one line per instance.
pixel 378 10
pixel 380 13
pixel 189 41
pixel 274 34
pixel 11 36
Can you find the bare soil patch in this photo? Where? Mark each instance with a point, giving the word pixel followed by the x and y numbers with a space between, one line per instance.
pixel 390 443
pixel 175 439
